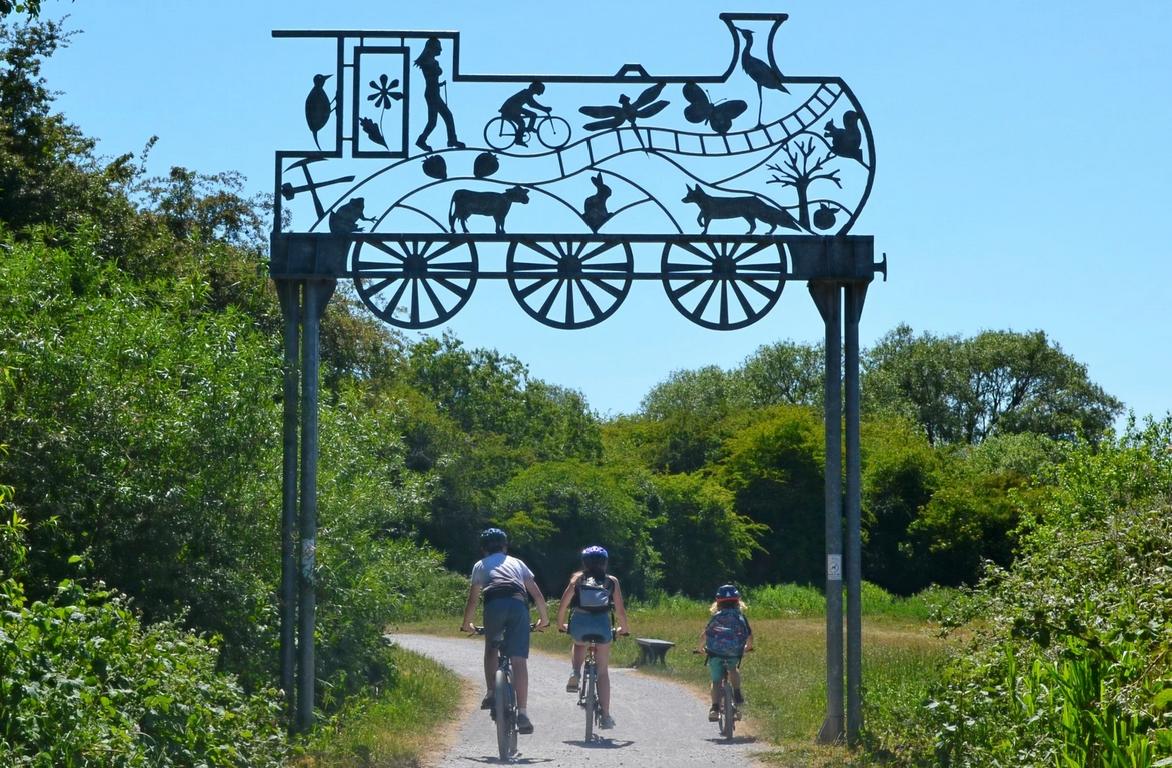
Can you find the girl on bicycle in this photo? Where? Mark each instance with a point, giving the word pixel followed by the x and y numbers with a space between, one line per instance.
pixel 593 594
pixel 725 640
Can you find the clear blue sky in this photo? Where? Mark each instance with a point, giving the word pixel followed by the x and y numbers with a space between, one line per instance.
pixel 1023 165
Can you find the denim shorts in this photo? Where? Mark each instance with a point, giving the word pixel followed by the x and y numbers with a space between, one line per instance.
pixel 717 665
pixel 582 624
pixel 508 618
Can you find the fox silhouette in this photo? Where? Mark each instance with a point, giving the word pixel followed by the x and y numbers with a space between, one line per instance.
pixel 749 208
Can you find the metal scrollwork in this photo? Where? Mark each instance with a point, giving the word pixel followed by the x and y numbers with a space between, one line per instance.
pixel 572 187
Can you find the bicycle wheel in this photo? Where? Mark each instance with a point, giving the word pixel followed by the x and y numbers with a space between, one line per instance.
pixel 591 701
pixel 500 707
pixel 500 134
pixel 727 714
pixel 553 132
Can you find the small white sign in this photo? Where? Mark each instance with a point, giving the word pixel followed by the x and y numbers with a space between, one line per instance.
pixel 834 567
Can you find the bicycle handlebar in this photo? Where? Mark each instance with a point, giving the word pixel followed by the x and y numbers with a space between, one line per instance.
pixel 480 630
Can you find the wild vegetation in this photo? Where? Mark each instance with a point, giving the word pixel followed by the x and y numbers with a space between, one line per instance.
pixel 140 408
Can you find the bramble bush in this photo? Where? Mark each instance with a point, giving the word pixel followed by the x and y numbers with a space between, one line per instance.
pixel 83 682
pixel 1070 662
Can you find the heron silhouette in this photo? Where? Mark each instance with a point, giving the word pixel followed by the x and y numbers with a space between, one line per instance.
pixel 317 106
pixel 763 74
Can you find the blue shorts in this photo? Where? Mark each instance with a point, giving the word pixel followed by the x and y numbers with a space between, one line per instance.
pixel 718 664
pixel 508 618
pixel 582 624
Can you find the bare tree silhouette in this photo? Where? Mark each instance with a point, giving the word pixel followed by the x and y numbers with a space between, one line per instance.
pixel 800 169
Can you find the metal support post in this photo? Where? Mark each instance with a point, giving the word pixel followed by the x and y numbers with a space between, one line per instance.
pixel 317 295
pixel 855 296
pixel 828 298
pixel 289 292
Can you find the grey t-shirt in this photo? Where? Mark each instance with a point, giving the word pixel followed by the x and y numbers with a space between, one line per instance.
pixel 501 576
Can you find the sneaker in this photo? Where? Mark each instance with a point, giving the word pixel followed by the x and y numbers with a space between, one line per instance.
pixel 714 714
pixel 606 723
pixel 738 699
pixel 487 701
pixel 572 684
pixel 523 724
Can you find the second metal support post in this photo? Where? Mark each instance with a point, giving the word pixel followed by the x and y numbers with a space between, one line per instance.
pixel 855 293
pixel 831 302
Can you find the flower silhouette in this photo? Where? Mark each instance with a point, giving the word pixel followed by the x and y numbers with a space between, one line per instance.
pixel 383 92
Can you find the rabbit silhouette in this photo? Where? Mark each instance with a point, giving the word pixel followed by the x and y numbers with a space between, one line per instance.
pixel 594 208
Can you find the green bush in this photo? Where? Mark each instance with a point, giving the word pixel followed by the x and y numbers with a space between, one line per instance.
pixel 1070 663
pixel 84 683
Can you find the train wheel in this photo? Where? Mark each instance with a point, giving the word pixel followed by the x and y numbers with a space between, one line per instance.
pixel 723 284
pixel 414 283
pixel 570 283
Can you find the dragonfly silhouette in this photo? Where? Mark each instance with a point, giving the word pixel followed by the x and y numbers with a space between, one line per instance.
pixel 627 111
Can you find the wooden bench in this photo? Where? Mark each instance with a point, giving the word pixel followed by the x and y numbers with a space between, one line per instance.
pixel 652 651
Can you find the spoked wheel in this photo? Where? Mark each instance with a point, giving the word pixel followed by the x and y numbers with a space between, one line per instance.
pixel 728 720
pixel 500 134
pixel 503 717
pixel 723 284
pixel 553 132
pixel 591 703
pixel 414 283
pixel 570 284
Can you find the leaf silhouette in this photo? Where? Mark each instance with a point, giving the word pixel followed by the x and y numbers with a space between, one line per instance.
pixel 372 130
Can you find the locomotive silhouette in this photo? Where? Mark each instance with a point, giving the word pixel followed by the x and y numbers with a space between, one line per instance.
pixel 568 178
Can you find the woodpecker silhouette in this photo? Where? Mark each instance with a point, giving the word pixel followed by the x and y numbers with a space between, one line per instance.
pixel 763 74
pixel 317 106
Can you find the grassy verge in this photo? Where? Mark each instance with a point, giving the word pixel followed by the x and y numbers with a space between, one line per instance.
pixel 784 679
pixel 396 729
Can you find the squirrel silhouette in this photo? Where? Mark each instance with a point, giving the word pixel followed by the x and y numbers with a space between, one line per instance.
pixel 594 208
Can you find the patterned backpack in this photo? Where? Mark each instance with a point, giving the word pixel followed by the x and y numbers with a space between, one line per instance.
pixel 727 633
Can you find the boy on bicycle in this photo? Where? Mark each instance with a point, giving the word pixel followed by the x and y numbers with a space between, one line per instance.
pixel 507 584
pixel 725 640
pixel 515 112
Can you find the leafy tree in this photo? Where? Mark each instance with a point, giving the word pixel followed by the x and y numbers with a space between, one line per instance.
pixel 783 373
pixel 701 539
pixel 553 510
pixel 775 468
pixel 900 474
pixel 998 382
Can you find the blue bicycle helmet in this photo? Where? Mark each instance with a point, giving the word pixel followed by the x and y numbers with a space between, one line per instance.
pixel 594 556
pixel 727 592
pixel 493 538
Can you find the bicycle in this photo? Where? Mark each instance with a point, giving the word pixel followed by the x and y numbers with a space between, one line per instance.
pixel 553 132
pixel 504 703
pixel 726 721
pixel 588 688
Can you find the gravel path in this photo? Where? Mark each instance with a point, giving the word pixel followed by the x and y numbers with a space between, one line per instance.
pixel 659 724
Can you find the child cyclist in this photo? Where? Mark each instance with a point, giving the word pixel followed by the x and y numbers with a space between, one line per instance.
pixel 725 640
pixel 593 595
pixel 506 584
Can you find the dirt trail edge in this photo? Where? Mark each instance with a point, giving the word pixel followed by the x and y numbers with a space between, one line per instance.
pixel 659 724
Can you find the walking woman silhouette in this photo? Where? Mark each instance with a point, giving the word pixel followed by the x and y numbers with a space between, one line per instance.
pixel 429 65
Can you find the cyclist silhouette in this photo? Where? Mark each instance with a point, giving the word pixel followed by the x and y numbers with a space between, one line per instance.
pixel 514 110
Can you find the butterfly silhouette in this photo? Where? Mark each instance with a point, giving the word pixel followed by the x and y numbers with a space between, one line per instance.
pixel 701 110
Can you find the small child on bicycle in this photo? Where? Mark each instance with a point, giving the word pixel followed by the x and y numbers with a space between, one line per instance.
pixel 593 594
pixel 725 640
pixel 506 584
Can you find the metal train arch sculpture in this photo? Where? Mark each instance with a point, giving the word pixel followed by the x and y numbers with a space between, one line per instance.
pixel 417 180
